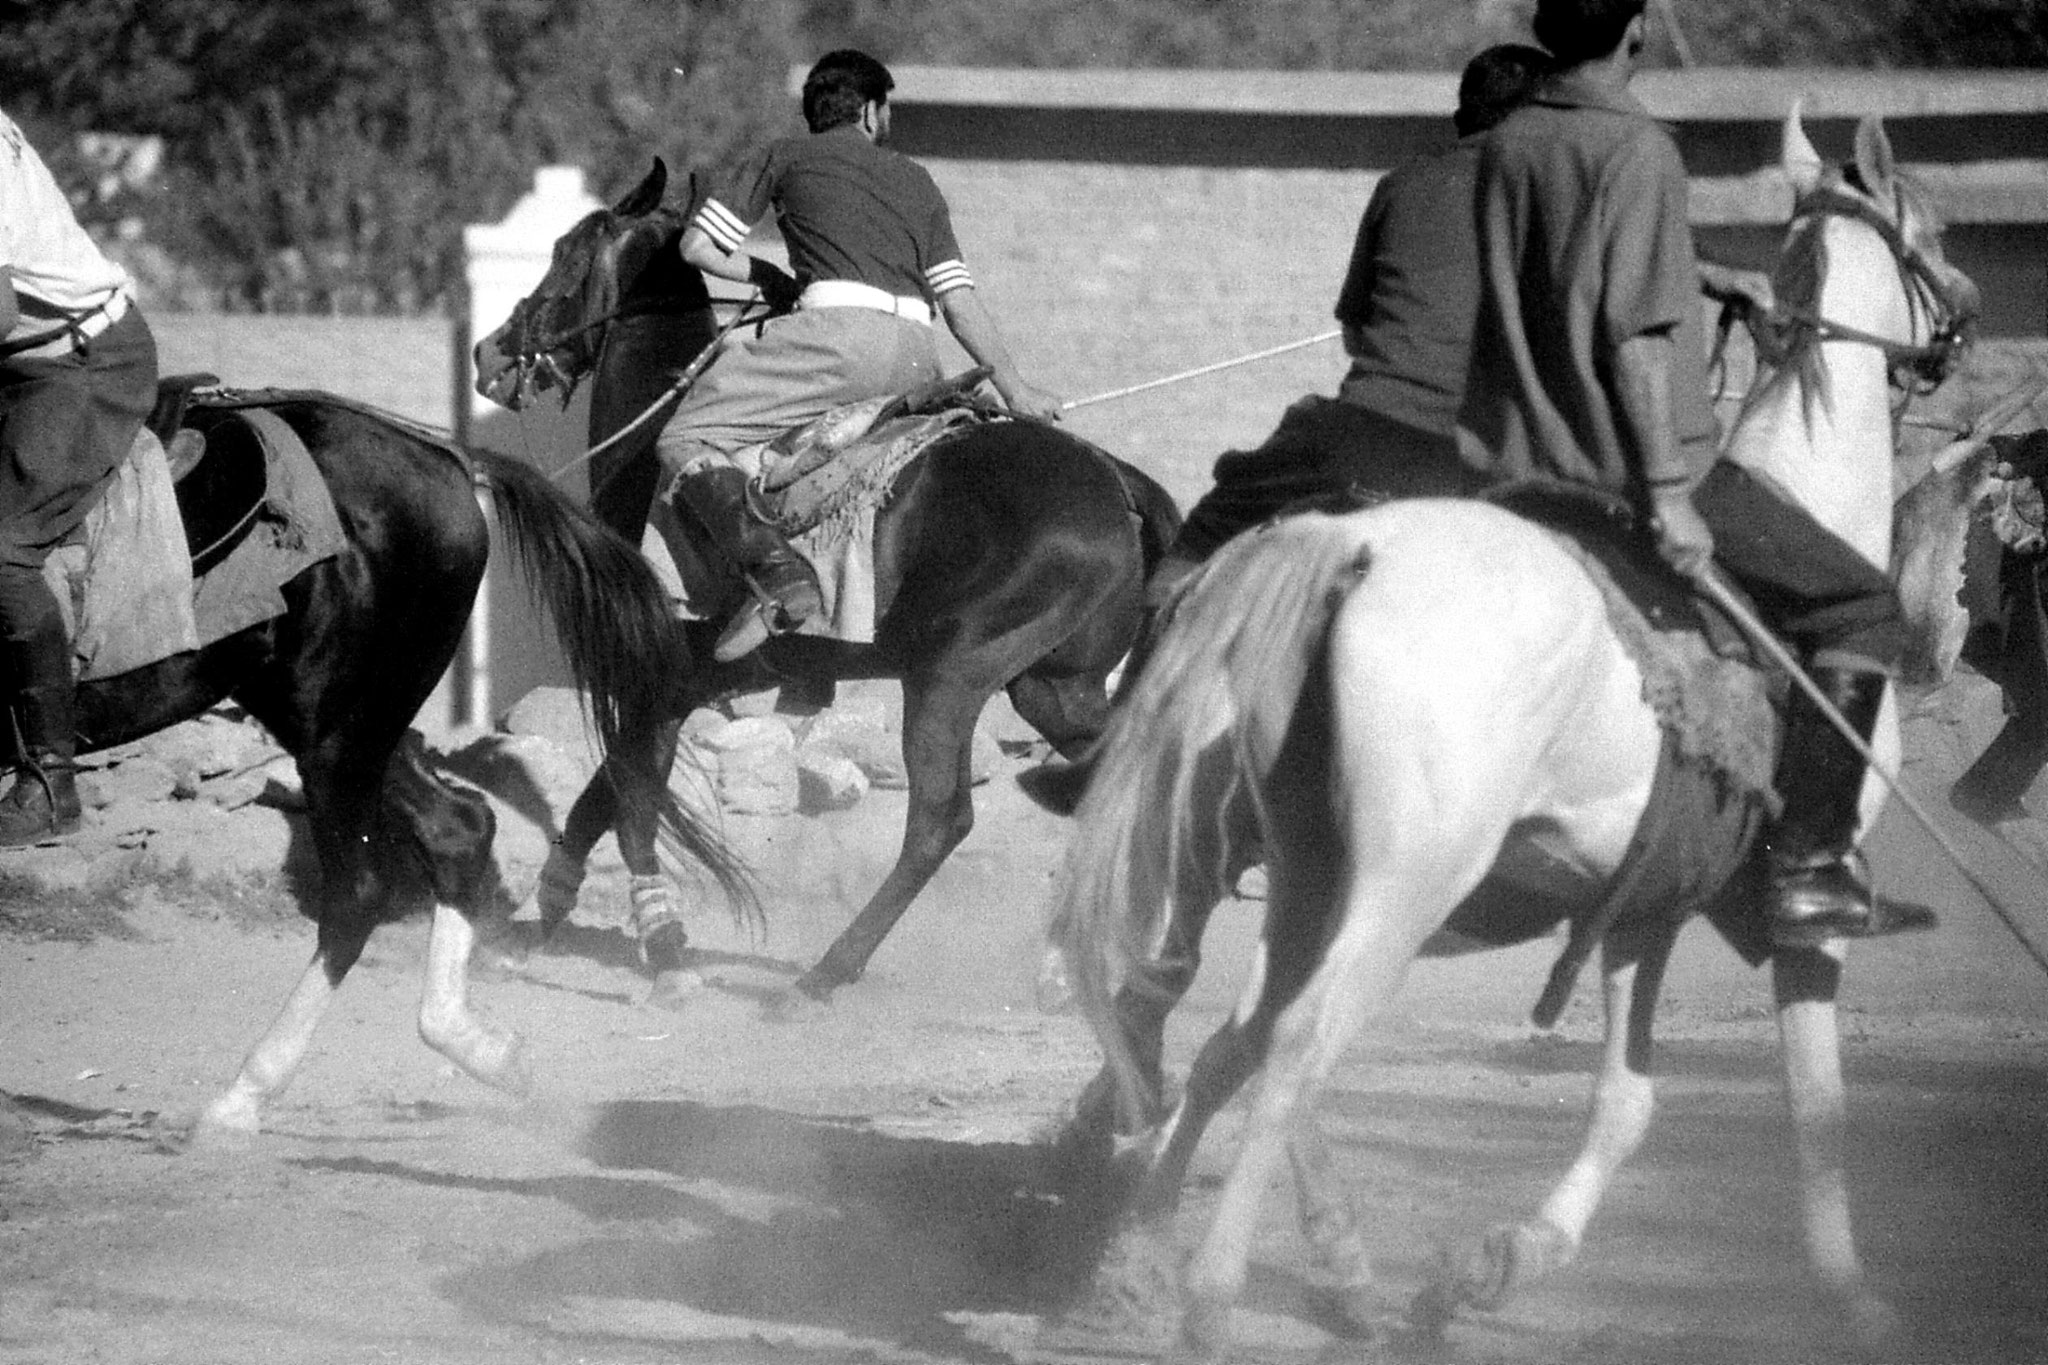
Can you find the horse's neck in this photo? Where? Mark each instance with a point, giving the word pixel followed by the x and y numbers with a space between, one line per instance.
pixel 1823 432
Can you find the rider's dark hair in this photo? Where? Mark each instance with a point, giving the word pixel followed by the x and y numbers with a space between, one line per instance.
pixel 1496 82
pixel 840 85
pixel 1578 31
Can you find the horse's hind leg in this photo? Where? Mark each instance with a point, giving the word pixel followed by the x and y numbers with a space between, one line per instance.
pixel 450 831
pixel 1514 1255
pixel 1805 982
pixel 938 735
pixel 657 919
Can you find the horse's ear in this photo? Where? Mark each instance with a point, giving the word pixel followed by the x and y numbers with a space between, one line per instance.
pixel 645 197
pixel 1874 161
pixel 1801 163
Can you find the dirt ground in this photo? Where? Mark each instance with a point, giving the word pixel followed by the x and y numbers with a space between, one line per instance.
pixel 713 1184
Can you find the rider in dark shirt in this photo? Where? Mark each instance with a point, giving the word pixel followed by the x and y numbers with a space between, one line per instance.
pixel 871 243
pixel 1588 369
pixel 1407 303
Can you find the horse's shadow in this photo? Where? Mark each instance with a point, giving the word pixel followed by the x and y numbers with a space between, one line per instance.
pixel 814 1225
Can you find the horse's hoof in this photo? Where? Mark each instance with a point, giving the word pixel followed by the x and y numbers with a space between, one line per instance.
pixel 229 1124
pixel 1204 1334
pixel 1054 989
pixel 665 948
pixel 674 989
pixel 1135 1293
pixel 1510 1258
pixel 1056 787
pixel 816 986
pixel 1874 1327
pixel 1351 1312
pixel 795 1006
pixel 514 1072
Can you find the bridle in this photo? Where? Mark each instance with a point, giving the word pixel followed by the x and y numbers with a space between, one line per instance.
pixel 1916 367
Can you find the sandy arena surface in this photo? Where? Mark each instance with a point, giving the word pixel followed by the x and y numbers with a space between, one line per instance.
pixel 710 1183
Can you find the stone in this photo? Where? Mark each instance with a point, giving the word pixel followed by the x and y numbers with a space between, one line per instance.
pixel 828 780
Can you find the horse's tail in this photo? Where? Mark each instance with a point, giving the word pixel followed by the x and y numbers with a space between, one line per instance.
pixel 1175 807
pixel 617 627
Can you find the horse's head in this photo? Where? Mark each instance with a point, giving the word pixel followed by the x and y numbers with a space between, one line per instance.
pixel 554 335
pixel 1847 220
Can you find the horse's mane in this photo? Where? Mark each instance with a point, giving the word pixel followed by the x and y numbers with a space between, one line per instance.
pixel 1793 350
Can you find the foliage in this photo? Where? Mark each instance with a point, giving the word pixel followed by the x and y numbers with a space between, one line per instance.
pixel 322 155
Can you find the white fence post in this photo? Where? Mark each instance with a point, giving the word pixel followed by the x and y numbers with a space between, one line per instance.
pixel 503 261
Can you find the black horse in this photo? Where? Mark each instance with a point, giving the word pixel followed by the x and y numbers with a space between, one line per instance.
pixel 1010 555
pixel 338 678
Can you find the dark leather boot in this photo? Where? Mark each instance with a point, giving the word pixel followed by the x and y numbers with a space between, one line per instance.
pixel 784 592
pixel 40 802
pixel 1819 884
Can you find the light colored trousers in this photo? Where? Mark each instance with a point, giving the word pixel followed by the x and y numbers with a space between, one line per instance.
pixel 785 373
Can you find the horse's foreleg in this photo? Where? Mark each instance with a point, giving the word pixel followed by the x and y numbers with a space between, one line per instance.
pixel 1514 1255
pixel 938 735
pixel 236 1116
pixel 447 1024
pixel 1805 983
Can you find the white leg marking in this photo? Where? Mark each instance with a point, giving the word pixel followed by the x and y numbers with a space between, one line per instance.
pixel 490 1055
pixel 237 1115
pixel 1815 1095
pixel 1622 1104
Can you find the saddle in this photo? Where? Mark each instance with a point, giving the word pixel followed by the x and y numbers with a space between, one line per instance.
pixel 824 473
pixel 251 512
pixel 820 485
pixel 1719 710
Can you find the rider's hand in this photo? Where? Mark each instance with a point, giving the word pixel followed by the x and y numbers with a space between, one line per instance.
pixel 1682 535
pixel 1028 400
pixel 779 289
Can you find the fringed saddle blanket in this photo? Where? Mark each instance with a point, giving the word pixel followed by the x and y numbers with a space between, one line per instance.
pixel 821 485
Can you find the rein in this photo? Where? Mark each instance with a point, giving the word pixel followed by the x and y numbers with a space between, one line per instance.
pixel 1916 367
pixel 674 391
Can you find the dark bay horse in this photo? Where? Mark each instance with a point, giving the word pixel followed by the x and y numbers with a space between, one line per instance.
pixel 1010 555
pixel 338 678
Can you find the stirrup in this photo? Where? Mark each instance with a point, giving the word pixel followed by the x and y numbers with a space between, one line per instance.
pixel 764 615
pixel 1826 896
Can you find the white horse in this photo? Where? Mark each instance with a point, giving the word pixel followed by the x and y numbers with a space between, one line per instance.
pixel 1387 705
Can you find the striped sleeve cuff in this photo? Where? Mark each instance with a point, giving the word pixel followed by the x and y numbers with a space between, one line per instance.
pixel 721 225
pixel 947 276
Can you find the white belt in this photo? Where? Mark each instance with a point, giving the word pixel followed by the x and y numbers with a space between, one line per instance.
pixel 853 294
pixel 88 327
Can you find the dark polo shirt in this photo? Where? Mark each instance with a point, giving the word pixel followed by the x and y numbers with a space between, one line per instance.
pixel 848 210
pixel 1584 242
pixel 1412 291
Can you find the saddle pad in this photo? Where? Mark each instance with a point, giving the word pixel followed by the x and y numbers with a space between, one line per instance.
pixel 127 584
pixel 296 528
pixel 124 584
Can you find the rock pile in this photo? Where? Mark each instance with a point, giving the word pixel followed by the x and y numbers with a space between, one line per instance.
pixel 217 797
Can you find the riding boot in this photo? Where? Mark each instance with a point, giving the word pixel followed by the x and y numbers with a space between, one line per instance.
pixel 1819 884
pixel 783 591
pixel 40 802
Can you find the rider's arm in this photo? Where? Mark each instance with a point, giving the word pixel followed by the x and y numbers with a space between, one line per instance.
pixel 976 332
pixel 1642 372
pixel 778 288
